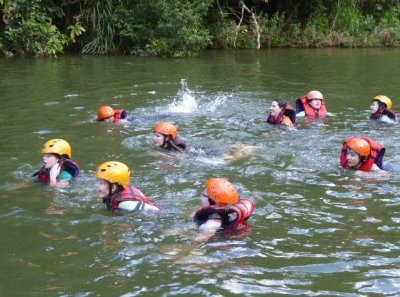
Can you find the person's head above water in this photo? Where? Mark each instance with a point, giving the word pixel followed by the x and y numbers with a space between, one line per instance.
pixel 55 150
pixel 358 151
pixel 219 191
pixel 166 129
pixel 380 102
pixel 105 112
pixel 113 176
pixel 315 98
pixel 277 106
pixel 166 137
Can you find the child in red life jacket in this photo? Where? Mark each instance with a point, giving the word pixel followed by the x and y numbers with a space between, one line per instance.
pixel 380 110
pixel 58 168
pixel 221 208
pixel 116 192
pixel 166 137
pixel 312 106
pixel 362 154
pixel 108 114
pixel 281 114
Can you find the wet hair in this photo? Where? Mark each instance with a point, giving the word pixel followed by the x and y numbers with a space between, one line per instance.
pixel 61 158
pixel 381 104
pixel 281 102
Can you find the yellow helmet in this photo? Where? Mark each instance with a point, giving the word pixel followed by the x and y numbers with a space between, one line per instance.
pixel 385 100
pixel 57 146
pixel 221 191
pixel 114 172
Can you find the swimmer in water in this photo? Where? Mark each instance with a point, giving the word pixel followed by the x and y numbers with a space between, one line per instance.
pixel 58 168
pixel 381 110
pixel 107 114
pixel 221 208
pixel 166 137
pixel 113 185
pixel 312 106
pixel 362 154
pixel 281 114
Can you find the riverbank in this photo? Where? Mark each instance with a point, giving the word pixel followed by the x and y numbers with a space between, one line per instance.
pixel 178 29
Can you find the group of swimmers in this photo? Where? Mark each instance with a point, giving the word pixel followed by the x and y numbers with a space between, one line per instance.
pixel 313 105
pixel 221 206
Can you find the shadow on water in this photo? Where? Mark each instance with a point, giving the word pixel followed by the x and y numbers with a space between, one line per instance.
pixel 317 229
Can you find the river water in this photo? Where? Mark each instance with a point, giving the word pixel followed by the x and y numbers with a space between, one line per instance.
pixel 318 230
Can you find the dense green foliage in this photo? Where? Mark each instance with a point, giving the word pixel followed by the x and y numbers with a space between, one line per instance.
pixel 185 27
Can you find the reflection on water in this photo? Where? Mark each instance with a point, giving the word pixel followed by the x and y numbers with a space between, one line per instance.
pixel 317 229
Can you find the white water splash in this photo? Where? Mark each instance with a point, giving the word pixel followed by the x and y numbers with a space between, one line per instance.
pixel 185 102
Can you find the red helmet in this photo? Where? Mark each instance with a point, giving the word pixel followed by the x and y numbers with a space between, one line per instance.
pixel 166 129
pixel 221 191
pixel 359 145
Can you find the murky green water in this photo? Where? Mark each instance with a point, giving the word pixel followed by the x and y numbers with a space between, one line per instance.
pixel 317 229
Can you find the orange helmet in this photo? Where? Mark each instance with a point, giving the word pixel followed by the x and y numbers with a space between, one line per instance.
pixel 57 146
pixel 167 129
pixel 105 112
pixel 114 172
pixel 315 95
pixel 359 145
pixel 221 191
pixel 385 100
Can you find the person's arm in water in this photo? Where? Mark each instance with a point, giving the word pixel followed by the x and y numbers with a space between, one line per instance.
pixel 209 228
pixel 385 119
pixel 375 170
pixel 133 206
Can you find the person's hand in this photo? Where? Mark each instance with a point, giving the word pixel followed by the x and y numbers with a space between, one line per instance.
pixel 54 172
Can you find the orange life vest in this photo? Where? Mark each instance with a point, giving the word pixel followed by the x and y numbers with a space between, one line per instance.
pixel 119 114
pixel 233 216
pixel 310 112
pixel 375 157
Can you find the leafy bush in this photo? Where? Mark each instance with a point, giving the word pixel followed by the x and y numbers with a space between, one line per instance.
pixel 29 29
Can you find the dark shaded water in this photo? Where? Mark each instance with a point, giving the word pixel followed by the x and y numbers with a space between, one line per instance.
pixel 317 230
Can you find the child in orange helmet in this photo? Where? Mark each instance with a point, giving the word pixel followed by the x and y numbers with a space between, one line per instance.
pixel 166 137
pixel 221 208
pixel 58 168
pixel 116 192
pixel 107 114
pixel 381 110
pixel 362 154
pixel 281 114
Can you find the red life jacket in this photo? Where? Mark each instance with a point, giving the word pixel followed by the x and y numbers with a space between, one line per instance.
pixel 68 165
pixel 129 193
pixel 378 115
pixel 287 112
pixel 376 155
pixel 119 114
pixel 312 113
pixel 233 216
